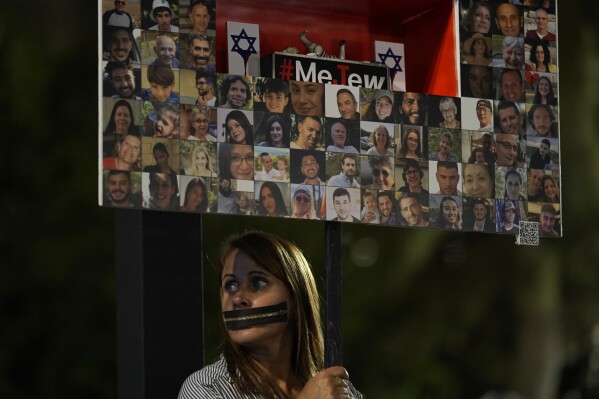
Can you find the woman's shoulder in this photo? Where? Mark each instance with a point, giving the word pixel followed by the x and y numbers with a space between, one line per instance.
pixel 208 382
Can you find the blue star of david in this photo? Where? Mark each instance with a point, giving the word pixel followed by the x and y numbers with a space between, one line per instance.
pixel 244 53
pixel 396 58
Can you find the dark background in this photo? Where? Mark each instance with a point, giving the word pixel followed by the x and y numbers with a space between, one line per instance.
pixel 427 314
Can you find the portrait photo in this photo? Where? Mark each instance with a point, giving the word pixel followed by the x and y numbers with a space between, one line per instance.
pixel 160 15
pixel 446 212
pixel 198 194
pixel 271 164
pixel 377 138
pixel 308 167
pixel 412 142
pixel 477 114
pixel 198 158
pixel 343 204
pixel 271 95
pixel 272 129
pixel 342 135
pixel 444 112
pixel 510 183
pixel 197 123
pixel 342 102
pixel 445 177
pixel 235 91
pixel 343 170
pixel 444 144
pixel 121 189
pixel 235 126
pixel 160 155
pixel 272 199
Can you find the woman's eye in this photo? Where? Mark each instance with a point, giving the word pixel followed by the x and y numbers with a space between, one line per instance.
pixel 259 283
pixel 230 287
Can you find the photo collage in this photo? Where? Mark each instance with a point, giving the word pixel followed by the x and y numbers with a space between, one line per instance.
pixel 176 135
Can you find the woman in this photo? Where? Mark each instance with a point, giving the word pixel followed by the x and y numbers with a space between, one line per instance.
pixel 161 157
pixel 444 153
pixel 478 18
pixel 277 132
pixel 267 275
pixel 410 145
pixel 270 200
pixel 199 125
pixel 478 157
pixel 235 161
pixel 544 92
pixel 380 108
pixel 449 112
pixel 196 196
pixel 540 58
pixel 479 181
pixel 550 189
pixel 238 128
pixel 128 152
pixel 120 123
pixel 381 143
pixel 513 185
pixel 449 215
pixel 478 50
pixel 201 163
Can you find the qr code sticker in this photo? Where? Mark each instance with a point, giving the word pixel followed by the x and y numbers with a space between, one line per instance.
pixel 529 233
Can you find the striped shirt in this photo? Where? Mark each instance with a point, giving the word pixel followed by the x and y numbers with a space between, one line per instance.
pixel 214 382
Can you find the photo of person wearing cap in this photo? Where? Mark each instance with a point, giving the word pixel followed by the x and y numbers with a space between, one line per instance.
pixel 302 202
pixel 380 108
pixel 477 50
pixel 162 15
pixel 508 217
pixel 477 114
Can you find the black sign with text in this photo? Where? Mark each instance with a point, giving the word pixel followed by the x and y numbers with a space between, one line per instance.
pixel 326 70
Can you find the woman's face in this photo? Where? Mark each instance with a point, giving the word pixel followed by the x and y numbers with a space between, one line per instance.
pixel 161 158
pixel 381 138
pixel 477 181
pixel 449 210
pixel 539 54
pixel 236 132
pixel 122 119
pixel 195 196
pixel 242 162
pixel 481 19
pixel 268 201
pixel 543 87
pixel 479 211
pixel 200 123
pixel 412 141
pixel 246 285
pixel 512 187
pixel 448 114
pixel 444 146
pixel 201 160
pixel 479 46
pixel 550 189
pixel 276 133
pixel 383 107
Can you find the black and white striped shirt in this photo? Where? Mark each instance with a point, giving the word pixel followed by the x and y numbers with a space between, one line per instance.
pixel 214 382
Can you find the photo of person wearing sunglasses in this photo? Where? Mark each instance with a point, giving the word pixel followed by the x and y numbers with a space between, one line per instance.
pixel 380 171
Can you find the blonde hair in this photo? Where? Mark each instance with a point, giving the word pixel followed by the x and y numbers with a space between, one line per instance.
pixel 193 170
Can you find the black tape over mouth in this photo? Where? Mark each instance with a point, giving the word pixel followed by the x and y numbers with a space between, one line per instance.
pixel 251 317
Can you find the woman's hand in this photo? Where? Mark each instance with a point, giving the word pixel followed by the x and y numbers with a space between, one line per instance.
pixel 328 384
